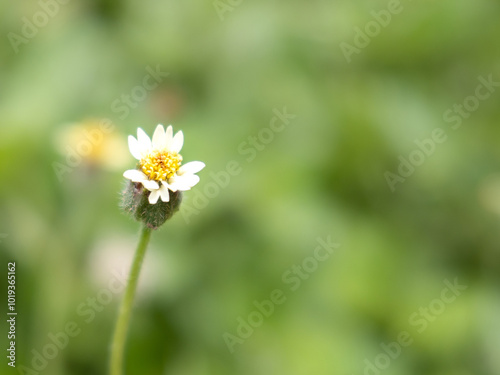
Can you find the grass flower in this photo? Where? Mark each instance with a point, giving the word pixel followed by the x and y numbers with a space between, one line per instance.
pixel 159 174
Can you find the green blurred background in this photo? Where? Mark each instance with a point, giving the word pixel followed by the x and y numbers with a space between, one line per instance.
pixel 229 67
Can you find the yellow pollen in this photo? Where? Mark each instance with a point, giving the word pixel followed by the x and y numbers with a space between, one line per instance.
pixel 161 165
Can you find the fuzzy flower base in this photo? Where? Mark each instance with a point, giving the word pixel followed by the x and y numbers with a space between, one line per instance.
pixel 136 203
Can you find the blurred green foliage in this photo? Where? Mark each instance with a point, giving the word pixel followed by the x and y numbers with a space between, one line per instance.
pixel 323 175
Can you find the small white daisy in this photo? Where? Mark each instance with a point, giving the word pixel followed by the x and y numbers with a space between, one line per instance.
pixel 160 163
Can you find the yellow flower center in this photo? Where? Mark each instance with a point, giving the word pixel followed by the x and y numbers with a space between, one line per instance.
pixel 161 165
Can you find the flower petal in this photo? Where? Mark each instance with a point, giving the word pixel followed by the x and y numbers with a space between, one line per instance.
pixel 134 147
pixel 159 139
pixel 150 185
pixel 191 168
pixel 169 137
pixel 170 184
pixel 165 196
pixel 135 175
pixel 186 182
pixel 153 196
pixel 177 142
pixel 144 141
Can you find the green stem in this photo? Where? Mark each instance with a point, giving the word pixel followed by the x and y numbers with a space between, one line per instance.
pixel 119 339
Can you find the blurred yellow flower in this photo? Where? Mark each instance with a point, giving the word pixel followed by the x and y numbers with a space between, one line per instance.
pixel 94 142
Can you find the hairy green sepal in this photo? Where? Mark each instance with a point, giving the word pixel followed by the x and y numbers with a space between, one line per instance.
pixel 135 203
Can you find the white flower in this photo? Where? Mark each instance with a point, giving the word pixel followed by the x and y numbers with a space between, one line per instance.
pixel 160 163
